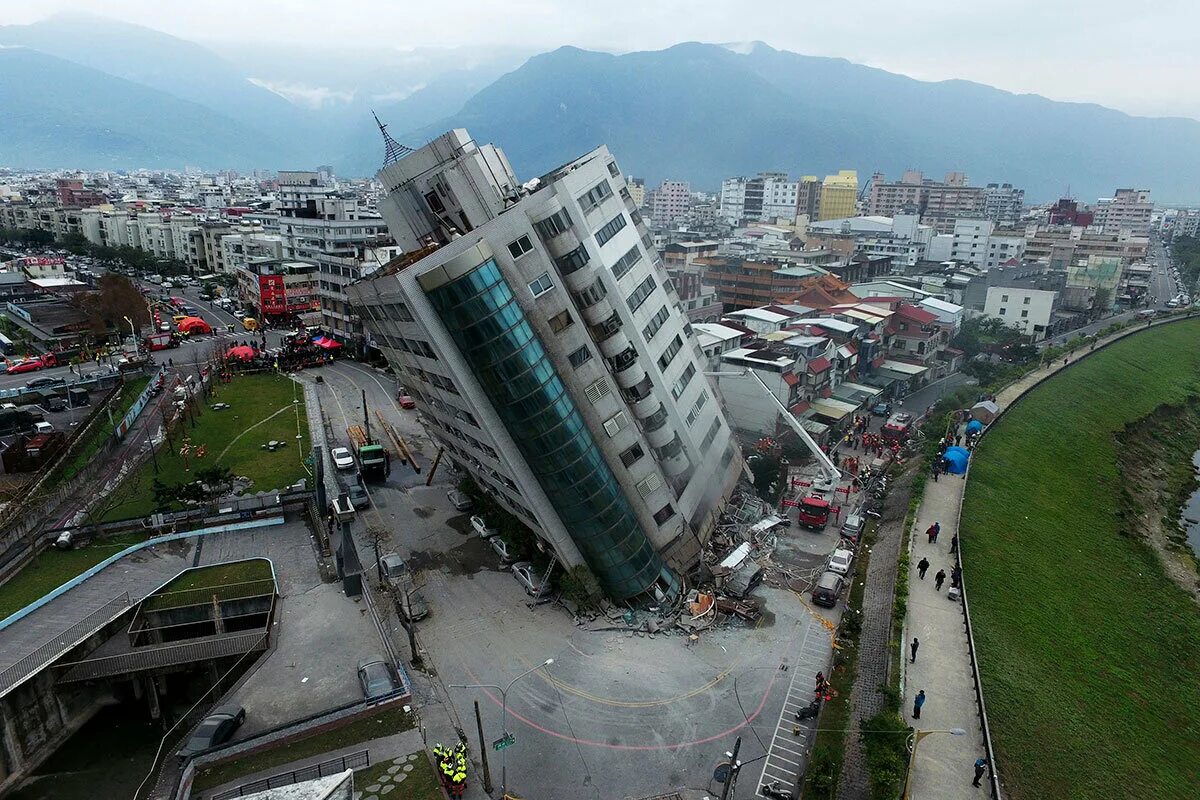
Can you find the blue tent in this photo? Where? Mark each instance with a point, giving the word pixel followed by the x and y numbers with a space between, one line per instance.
pixel 955 460
pixel 974 426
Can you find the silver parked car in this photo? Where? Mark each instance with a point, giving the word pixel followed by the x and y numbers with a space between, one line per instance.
pixel 527 575
pixel 377 678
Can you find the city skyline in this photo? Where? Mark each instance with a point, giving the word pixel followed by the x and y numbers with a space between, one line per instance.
pixel 934 41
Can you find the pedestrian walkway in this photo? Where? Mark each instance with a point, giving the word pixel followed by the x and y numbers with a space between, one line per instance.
pixel 788 752
pixel 942 766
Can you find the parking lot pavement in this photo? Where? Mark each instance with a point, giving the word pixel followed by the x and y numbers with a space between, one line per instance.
pixel 320 635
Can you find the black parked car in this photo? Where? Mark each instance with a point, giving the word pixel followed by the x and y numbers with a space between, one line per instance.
pixel 217 728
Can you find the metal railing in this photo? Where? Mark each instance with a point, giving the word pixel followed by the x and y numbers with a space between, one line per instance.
pixel 161 601
pixel 393 659
pixel 52 649
pixel 144 658
pixel 331 767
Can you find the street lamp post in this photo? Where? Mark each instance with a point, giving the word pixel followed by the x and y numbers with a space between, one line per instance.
pixel 133 332
pixel 917 736
pixel 503 713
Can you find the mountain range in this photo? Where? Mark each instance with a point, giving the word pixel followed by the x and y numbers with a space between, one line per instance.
pixel 92 93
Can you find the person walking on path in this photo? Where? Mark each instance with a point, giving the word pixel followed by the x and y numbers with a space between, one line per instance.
pixel 915 644
pixel 939 579
pixel 922 565
pixel 981 765
pixel 918 701
pixel 956 577
pixel 937 529
pixel 931 532
pixel 954 543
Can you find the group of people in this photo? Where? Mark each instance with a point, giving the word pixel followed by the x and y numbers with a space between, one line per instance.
pixel 923 565
pixel 452 768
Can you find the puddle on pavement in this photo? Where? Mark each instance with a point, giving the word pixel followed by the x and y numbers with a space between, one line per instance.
pixel 423 512
pixel 467 558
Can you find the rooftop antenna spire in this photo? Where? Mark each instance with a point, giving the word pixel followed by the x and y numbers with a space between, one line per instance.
pixel 393 151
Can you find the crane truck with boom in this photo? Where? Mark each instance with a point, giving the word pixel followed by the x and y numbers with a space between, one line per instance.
pixel 814 509
pixel 374 461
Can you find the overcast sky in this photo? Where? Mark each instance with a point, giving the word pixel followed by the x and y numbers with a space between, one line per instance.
pixel 1138 57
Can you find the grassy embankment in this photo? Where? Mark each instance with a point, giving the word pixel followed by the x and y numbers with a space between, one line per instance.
pixel 260 402
pixel 1089 652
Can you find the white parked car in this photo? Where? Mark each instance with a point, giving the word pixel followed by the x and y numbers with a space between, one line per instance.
pixel 840 560
pixel 501 547
pixel 528 577
pixel 342 458
pixel 481 527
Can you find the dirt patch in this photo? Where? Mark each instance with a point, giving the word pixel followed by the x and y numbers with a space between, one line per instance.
pixel 1155 460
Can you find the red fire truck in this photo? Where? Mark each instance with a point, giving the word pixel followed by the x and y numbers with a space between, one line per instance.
pixel 813 512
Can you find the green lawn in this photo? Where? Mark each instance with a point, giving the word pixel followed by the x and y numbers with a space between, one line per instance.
pixel 53 568
pixel 129 392
pixel 253 399
pixel 390 720
pixel 1090 654
pixel 421 784
pixel 237 579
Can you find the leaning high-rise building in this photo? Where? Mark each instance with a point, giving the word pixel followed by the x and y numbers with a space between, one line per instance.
pixel 540 335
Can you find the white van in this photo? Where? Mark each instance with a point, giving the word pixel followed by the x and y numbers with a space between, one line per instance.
pixel 43 427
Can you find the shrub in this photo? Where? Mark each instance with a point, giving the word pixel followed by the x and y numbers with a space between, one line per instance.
pixel 885 745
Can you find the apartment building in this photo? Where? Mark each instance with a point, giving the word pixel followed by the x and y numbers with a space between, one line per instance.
pixel 750 283
pixel 1003 204
pixel 979 242
pixel 940 203
pixel 669 203
pixel 1028 310
pixel 346 241
pixel 280 289
pixel 839 195
pixel 764 198
pixel 1062 245
pixel 1128 211
pixel 543 342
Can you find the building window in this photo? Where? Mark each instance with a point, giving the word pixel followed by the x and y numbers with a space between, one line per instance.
pixel 541 284
pixel 639 295
pixel 669 354
pixel 684 380
pixel 1003 298
pixel 632 455
pixel 712 434
pixel 695 412
pixel 664 514
pixel 520 247
pixel 561 321
pixel 656 322
pixel 1024 314
pixel 1002 311
pixel 569 262
pixel 1025 301
pixel 435 202
pixel 580 357
pixel 595 195
pixel 588 297
pixel 612 169
pixel 553 225
pixel 609 229
pixel 626 262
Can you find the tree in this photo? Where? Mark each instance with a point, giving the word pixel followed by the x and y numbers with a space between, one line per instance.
pixel 115 299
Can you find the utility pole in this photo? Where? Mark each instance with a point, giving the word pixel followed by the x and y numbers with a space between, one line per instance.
pixel 733 769
pixel 366 416
pixel 487 774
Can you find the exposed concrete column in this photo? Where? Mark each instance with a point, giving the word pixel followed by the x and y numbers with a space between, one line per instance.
pixel 152 697
pixel 218 621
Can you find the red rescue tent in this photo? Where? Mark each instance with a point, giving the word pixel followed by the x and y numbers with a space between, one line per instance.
pixel 243 352
pixel 194 325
